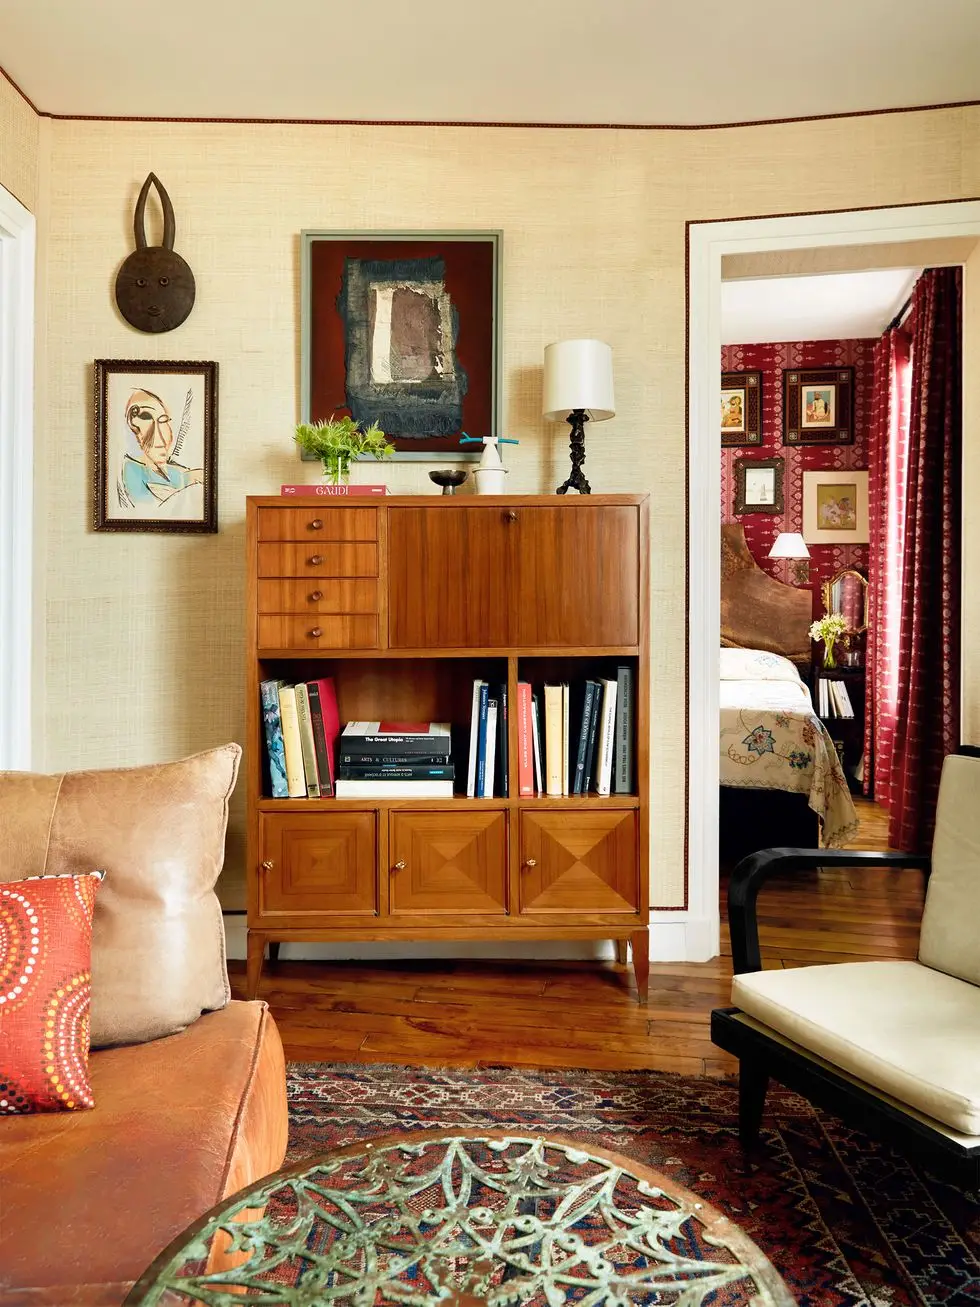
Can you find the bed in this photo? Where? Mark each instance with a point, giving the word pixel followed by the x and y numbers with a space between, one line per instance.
pixel 780 775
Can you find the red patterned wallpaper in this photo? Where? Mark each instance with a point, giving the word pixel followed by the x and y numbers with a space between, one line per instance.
pixel 761 529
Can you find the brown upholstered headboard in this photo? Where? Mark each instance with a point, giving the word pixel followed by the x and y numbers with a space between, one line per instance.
pixel 757 611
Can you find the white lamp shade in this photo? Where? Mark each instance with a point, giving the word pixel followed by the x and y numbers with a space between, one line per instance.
pixel 789 544
pixel 578 374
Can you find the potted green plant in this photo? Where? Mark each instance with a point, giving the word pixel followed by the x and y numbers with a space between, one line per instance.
pixel 830 628
pixel 338 440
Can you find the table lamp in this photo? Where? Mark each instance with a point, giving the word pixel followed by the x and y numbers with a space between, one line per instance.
pixel 578 386
pixel 790 544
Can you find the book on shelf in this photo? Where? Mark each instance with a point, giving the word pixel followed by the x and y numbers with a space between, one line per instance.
pixel 537 740
pixel 607 734
pixel 591 748
pixel 565 746
pixel 503 723
pixel 582 746
pixel 396 759
pixel 381 770
pixel 525 747
pixel 324 489
pixel 490 762
pixel 474 739
pixel 291 743
pixel 275 755
pixel 553 733
pixel 481 740
pixel 393 789
pixel 375 739
pixel 623 752
pixel 306 741
pixel 322 694
pixel 845 699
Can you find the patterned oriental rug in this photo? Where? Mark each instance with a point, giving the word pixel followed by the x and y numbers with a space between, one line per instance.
pixel 845 1221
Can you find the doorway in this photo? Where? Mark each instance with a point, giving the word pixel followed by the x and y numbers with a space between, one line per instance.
pixel 822 235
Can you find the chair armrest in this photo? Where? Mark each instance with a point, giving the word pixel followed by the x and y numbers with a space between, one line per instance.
pixel 752 873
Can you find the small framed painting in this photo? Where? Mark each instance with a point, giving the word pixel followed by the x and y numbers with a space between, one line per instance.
pixel 758 485
pixel 741 408
pixel 155 439
pixel 835 508
pixel 818 406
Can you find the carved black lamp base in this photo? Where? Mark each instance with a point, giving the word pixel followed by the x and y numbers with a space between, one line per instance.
pixel 576 443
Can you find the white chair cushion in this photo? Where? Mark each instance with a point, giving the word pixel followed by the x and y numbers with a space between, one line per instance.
pixel 949 938
pixel 907 1030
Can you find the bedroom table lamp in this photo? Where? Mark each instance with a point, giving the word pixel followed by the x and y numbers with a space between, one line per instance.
pixel 578 387
pixel 790 544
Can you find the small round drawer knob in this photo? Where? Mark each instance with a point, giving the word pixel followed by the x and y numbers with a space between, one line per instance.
pixel 316 596
pixel 399 866
pixel 315 560
pixel 531 862
pixel 268 865
pixel 316 524
pixel 316 633
pixel 510 516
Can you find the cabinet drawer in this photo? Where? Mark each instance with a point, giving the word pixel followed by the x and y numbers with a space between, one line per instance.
pixel 579 861
pixel 330 631
pixel 500 577
pixel 317 865
pixel 316 596
pixel 448 863
pixel 315 559
pixel 316 523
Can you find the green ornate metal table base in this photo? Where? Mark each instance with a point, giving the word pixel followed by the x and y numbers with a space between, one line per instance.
pixel 463 1220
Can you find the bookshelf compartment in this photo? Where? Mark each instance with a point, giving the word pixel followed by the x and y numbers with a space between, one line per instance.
pixel 455 863
pixel 315 867
pixel 580 860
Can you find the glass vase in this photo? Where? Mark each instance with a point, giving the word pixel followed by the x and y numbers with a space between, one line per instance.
pixel 828 652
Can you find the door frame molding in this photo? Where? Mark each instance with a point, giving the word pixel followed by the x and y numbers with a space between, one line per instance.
pixel 18 239
pixel 707 243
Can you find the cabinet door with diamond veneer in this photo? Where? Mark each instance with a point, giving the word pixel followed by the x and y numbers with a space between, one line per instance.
pixel 317 867
pixel 448 862
pixel 582 861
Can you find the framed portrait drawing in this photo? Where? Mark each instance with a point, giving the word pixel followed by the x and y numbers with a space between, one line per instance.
pixel 403 329
pixel 155 434
pixel 758 485
pixel 818 406
pixel 741 408
pixel 835 508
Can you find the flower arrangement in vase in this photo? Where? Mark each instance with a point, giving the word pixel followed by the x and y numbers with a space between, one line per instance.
pixel 339 440
pixel 830 628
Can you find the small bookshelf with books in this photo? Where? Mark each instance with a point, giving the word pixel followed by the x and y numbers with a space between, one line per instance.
pixel 448 716
pixel 839 698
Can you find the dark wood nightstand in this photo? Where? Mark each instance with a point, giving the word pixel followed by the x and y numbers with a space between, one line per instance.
pixel 846 732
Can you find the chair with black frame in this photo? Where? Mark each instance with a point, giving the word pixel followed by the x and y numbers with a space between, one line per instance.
pixel 892 1046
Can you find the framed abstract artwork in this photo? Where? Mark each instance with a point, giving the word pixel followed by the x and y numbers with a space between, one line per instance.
pixel 741 408
pixel 758 485
pixel 835 508
pixel 155 446
pixel 403 329
pixel 818 406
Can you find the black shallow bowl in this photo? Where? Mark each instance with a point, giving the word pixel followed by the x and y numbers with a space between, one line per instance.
pixel 448 476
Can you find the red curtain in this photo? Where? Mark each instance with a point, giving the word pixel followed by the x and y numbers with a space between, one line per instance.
pixel 887 467
pixel 927 721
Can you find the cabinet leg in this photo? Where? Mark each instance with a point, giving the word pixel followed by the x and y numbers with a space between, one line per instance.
pixel 253 965
pixel 273 950
pixel 622 951
pixel 640 944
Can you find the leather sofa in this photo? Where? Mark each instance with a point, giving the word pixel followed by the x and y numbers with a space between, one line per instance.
pixel 189 1108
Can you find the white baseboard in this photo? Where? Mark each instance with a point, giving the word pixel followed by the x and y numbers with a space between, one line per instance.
pixel 674 937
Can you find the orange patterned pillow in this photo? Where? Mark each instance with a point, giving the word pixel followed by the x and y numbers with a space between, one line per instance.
pixel 45 992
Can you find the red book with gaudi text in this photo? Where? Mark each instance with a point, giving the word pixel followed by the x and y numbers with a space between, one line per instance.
pixel 525 761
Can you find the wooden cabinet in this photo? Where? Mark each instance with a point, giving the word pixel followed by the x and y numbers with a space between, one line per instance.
pixel 404 602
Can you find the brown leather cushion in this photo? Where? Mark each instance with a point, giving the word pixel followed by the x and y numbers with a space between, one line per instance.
pixel 88 1199
pixel 158 944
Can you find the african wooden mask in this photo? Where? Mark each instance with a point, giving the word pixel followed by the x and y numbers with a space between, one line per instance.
pixel 154 287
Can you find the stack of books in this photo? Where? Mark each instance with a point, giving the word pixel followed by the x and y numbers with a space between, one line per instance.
pixel 833 699
pixel 395 760
pixel 301 725
pixel 577 738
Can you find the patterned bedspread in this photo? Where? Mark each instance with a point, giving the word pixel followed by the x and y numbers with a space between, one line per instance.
pixel 771 739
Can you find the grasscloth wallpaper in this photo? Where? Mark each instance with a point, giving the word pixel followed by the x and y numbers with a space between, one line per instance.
pixel 19 132
pixel 143 636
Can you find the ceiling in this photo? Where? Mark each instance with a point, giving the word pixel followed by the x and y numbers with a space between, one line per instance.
pixel 838 306
pixel 571 61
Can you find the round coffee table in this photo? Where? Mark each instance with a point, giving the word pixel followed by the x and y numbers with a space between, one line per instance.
pixel 463 1219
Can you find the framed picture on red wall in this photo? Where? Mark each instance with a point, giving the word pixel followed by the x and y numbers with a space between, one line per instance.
pixel 818 406
pixel 758 485
pixel 741 408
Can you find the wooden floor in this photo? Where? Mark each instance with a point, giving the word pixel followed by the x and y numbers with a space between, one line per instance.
pixel 478 1013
